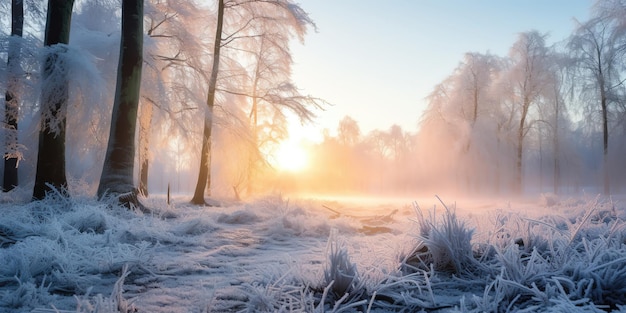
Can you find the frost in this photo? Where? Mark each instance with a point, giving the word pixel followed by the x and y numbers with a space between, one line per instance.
pixel 272 255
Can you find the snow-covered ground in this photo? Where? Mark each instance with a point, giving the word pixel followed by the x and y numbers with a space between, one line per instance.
pixel 277 254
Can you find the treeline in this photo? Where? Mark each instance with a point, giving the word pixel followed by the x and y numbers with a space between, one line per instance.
pixel 209 81
pixel 544 118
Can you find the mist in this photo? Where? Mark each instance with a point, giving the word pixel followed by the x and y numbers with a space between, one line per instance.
pixel 521 124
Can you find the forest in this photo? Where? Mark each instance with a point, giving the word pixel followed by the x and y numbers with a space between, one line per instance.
pixel 210 114
pixel 91 112
pixel 546 117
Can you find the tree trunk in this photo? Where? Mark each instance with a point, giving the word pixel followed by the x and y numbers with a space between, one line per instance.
pixel 118 169
pixel 519 158
pixel 51 154
pixel 204 175
pixel 253 156
pixel 11 104
pixel 605 127
pixel 557 149
pixel 605 141
pixel 519 181
pixel 540 162
pixel 143 176
pixel 497 176
pixel 145 121
pixel 557 168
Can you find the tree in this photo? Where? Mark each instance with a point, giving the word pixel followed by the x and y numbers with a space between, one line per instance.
pixel 11 103
pixel 118 168
pixel 378 144
pixel 256 33
pixel 462 107
pixel 598 55
pixel 205 156
pixel 348 132
pixel 172 90
pixel 555 95
pixel 473 78
pixel 529 74
pixel 271 91
pixel 51 153
pixel 145 119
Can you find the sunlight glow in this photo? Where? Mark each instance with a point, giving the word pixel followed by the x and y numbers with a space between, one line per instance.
pixel 291 156
pixel 177 147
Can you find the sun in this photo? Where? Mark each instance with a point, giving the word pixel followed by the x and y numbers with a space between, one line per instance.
pixel 291 156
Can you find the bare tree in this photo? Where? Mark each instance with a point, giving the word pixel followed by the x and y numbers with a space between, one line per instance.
pixel 471 82
pixel 598 54
pixel 462 106
pixel 556 93
pixel 529 74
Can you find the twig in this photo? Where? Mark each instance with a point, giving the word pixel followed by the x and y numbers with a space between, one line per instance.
pixel 326 207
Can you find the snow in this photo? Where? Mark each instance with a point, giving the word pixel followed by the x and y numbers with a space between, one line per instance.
pixel 312 255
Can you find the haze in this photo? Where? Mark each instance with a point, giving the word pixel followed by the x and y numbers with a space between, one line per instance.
pixel 533 116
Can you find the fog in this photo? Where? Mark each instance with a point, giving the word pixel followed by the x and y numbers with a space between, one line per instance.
pixel 397 165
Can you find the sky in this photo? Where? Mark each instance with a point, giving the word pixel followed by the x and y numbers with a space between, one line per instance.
pixel 376 61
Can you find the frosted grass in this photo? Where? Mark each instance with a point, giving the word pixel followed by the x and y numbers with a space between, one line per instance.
pixel 282 255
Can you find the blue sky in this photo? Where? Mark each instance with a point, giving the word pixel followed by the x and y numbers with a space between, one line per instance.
pixel 377 60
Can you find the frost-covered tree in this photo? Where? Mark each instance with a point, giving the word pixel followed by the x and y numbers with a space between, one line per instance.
pixel 474 76
pixel 118 168
pixel 614 12
pixel 378 147
pixel 554 115
pixel 271 91
pixel 597 48
pixel 461 109
pixel 398 143
pixel 529 75
pixel 174 56
pixel 253 35
pixel 348 132
pixel 470 107
pixel 204 174
pixel 54 96
pixel 11 104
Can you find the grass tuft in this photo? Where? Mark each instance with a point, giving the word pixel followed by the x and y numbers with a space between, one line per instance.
pixel 444 245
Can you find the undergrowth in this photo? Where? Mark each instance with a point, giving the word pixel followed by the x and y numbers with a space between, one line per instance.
pixel 524 265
